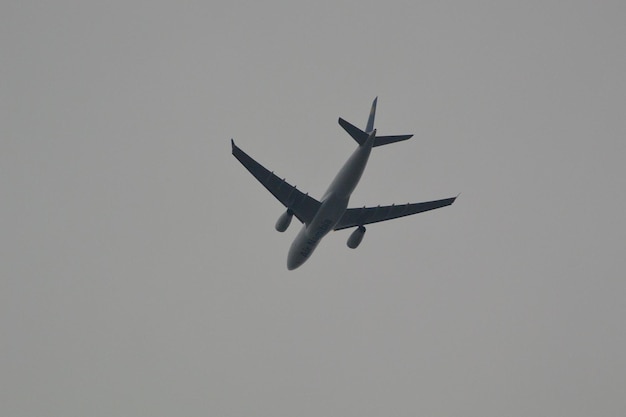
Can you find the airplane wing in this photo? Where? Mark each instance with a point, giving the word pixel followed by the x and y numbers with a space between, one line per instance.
pixel 360 216
pixel 303 206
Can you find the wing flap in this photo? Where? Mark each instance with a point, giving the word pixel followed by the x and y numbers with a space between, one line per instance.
pixel 303 206
pixel 361 216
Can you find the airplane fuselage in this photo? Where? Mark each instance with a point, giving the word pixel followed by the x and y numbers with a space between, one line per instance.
pixel 334 204
pixel 331 212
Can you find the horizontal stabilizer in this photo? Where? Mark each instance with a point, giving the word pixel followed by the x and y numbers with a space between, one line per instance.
pixel 361 136
pixel 356 133
pixel 384 140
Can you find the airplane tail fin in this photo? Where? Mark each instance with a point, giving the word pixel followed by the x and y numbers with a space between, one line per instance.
pixel 370 119
pixel 361 136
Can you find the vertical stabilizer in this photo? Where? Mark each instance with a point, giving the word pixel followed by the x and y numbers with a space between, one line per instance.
pixel 370 120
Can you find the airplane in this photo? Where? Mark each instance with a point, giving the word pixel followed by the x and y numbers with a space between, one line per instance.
pixel 331 212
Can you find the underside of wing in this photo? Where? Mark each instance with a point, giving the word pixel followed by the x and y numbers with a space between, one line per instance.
pixel 302 205
pixel 361 216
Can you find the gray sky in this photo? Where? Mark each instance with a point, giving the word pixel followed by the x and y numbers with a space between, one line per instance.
pixel 140 272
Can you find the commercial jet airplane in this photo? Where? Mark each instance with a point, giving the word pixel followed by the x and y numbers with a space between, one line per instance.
pixel 331 212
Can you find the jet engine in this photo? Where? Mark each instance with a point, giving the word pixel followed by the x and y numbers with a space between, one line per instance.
pixel 356 237
pixel 284 220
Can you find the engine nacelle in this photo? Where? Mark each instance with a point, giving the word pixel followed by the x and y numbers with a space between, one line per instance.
pixel 284 221
pixel 356 237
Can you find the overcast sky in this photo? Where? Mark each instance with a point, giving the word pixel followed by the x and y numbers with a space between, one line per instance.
pixel 140 272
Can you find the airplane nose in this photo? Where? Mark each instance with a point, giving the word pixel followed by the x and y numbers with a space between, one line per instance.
pixel 294 261
pixel 300 249
pixel 295 258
